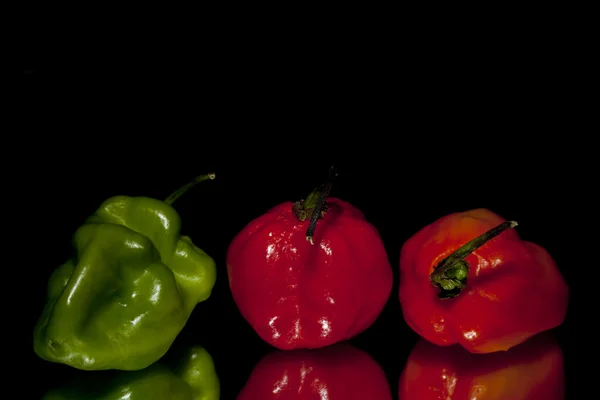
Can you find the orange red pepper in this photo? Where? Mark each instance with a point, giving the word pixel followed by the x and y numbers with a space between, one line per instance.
pixel 468 278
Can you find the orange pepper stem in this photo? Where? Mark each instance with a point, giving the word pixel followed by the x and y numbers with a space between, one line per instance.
pixel 314 206
pixel 451 274
pixel 179 192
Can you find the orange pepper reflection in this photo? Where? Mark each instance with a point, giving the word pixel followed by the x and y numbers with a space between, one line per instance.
pixel 338 372
pixel 530 371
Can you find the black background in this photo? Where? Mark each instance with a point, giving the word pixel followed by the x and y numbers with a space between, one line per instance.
pixel 412 142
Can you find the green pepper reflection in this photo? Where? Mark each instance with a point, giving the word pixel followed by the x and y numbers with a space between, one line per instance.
pixel 194 378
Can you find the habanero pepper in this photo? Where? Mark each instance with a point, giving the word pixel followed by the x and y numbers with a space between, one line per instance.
pixel 313 289
pixel 468 278
pixel 194 378
pixel 533 370
pixel 130 288
pixel 340 371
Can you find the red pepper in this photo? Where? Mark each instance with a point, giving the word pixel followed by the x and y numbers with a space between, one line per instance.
pixel 337 372
pixel 469 278
pixel 533 370
pixel 309 290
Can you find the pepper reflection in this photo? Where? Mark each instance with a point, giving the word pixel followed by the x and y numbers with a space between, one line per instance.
pixel 193 378
pixel 337 372
pixel 530 371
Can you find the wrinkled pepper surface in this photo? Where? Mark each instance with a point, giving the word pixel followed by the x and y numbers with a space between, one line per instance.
pixel 468 278
pixel 195 378
pixel 301 287
pixel 337 372
pixel 120 302
pixel 533 370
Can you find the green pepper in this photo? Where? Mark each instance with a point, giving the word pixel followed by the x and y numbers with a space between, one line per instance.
pixel 194 379
pixel 130 288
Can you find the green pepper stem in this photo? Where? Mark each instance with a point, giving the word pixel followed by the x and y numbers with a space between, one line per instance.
pixel 314 206
pixel 451 274
pixel 179 192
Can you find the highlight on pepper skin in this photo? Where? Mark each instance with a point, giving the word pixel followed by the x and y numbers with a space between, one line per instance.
pixel 533 370
pixel 194 378
pixel 340 371
pixel 469 278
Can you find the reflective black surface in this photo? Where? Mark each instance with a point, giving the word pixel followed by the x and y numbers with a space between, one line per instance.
pixel 106 134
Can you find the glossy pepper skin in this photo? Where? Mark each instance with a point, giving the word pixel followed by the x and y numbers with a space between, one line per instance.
pixel 194 378
pixel 339 372
pixel 304 288
pixel 497 296
pixel 533 370
pixel 130 288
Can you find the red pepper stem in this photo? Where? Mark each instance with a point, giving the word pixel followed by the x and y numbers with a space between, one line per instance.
pixel 314 206
pixel 179 192
pixel 451 274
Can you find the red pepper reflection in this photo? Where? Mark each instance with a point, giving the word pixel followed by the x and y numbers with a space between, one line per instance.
pixel 530 371
pixel 338 372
